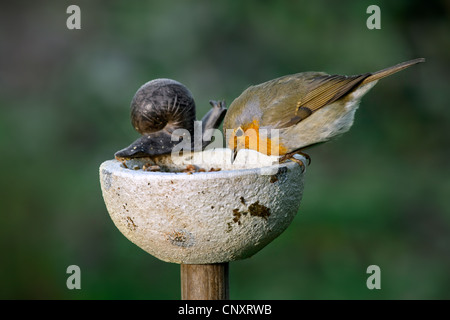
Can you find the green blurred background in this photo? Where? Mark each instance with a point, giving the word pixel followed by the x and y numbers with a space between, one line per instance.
pixel 378 195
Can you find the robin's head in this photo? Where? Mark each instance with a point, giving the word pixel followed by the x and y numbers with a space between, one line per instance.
pixel 252 136
pixel 245 136
pixel 239 140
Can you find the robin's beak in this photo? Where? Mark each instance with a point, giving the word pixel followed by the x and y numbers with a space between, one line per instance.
pixel 234 153
pixel 238 143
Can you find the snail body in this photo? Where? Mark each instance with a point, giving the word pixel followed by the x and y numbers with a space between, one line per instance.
pixel 160 107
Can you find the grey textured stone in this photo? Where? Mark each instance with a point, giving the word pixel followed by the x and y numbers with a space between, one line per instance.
pixel 203 217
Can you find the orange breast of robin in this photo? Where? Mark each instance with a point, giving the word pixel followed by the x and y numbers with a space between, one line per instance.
pixel 265 141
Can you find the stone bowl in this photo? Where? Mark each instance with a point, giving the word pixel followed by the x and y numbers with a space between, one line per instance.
pixel 202 216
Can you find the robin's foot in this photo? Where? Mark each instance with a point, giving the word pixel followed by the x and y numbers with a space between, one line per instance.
pixel 300 162
pixel 305 155
pixel 291 156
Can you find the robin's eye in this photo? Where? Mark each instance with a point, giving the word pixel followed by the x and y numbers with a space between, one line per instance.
pixel 239 132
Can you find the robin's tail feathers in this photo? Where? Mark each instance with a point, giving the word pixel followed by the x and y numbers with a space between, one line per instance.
pixel 388 71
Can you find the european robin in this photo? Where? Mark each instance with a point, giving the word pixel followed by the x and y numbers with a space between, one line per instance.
pixel 286 115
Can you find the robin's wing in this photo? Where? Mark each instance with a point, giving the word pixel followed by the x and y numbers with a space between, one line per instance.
pixel 317 91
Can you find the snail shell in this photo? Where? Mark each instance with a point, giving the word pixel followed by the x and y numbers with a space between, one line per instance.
pixel 160 107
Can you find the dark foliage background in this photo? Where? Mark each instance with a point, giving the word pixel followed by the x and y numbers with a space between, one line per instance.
pixel 378 195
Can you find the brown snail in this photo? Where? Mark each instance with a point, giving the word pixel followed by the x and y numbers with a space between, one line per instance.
pixel 158 109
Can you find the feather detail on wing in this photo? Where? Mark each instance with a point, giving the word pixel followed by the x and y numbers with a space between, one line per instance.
pixel 321 90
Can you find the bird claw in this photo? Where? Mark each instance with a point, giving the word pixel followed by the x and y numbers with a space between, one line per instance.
pixel 305 155
pixel 300 162
pixel 291 156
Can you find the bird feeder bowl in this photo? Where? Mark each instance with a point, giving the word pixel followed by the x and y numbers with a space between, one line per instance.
pixel 199 209
pixel 217 213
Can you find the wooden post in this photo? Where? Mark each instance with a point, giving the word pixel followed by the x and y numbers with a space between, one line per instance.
pixel 204 281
